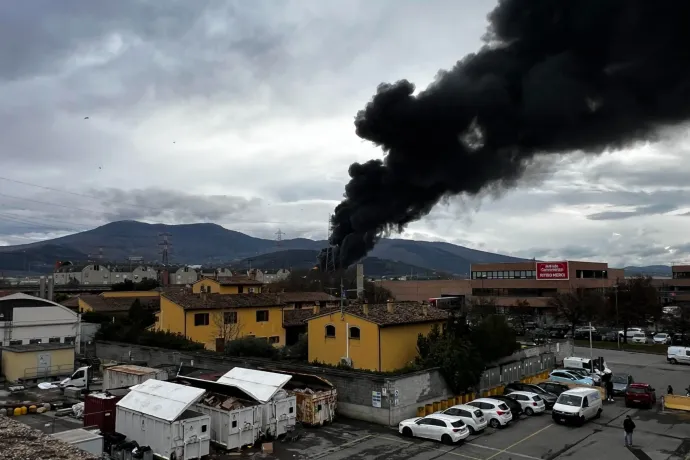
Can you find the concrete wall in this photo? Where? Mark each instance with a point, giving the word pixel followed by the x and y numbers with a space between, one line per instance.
pixel 355 388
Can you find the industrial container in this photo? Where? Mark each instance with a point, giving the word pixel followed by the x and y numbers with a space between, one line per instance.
pixel 128 375
pixel 236 417
pixel 158 414
pixel 99 410
pixel 86 440
pixel 316 398
pixel 279 408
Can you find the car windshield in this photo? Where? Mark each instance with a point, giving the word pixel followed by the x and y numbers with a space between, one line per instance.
pixel 458 424
pixel 502 406
pixel 661 336
pixel 570 400
pixel 637 390
pixel 620 379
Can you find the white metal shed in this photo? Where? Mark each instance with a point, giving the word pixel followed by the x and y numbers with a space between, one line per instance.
pixel 157 414
pixel 280 408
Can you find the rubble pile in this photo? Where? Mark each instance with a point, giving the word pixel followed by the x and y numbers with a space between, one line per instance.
pixel 20 441
pixel 224 402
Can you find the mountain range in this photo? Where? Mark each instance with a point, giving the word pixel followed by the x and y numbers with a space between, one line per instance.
pixel 211 244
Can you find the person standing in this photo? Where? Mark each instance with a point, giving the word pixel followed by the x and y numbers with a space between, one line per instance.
pixel 628 427
pixel 669 390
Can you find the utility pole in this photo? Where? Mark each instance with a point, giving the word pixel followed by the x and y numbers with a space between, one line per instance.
pixel 279 237
pixel 165 245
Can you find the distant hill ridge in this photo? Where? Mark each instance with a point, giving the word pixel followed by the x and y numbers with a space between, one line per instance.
pixel 211 244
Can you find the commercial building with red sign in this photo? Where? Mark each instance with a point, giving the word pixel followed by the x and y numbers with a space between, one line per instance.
pixel 552 271
pixel 507 283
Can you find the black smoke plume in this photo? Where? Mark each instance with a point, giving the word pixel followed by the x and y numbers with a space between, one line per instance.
pixel 554 76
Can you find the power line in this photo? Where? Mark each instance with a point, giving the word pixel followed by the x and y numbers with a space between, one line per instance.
pixel 47 203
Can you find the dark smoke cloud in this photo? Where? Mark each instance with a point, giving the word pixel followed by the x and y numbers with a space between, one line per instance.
pixel 555 76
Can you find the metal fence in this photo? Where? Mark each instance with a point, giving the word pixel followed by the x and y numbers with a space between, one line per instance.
pixel 517 370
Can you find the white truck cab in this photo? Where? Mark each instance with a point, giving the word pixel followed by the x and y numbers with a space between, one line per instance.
pixel 577 405
pixel 587 364
pixel 78 379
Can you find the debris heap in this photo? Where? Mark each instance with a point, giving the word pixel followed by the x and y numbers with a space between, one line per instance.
pixel 20 441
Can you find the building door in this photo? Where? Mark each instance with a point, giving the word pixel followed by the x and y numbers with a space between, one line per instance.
pixel 43 364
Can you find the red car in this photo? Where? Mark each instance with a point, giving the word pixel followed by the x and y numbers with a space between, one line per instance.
pixel 640 394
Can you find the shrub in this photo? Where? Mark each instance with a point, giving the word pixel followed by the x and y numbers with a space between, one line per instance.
pixel 250 347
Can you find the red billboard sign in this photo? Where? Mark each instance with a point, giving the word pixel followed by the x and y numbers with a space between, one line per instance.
pixel 552 271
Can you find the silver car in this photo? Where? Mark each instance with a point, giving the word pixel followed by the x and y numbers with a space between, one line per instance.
pixel 621 382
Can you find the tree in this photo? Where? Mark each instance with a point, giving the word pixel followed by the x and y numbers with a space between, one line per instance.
pixel 250 347
pixel 298 351
pixel 634 301
pixel 578 306
pixel 140 316
pixel 494 338
pixel 226 326
pixel 128 285
pixel 479 308
pixel 521 313
pixel 73 282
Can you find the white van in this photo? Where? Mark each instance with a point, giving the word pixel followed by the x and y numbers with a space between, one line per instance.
pixel 574 362
pixel 577 405
pixel 678 355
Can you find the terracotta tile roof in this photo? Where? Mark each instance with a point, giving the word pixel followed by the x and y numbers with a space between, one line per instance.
pixel 237 280
pixel 190 301
pixel 403 313
pixel 292 318
pixel 102 304
pixel 72 302
pixel 289 297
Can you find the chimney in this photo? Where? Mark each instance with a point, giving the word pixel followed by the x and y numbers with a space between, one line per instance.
pixel 42 287
pixel 317 308
pixel 203 296
pixel 50 289
pixel 389 305
pixel 365 309
pixel 360 281
pixel 425 309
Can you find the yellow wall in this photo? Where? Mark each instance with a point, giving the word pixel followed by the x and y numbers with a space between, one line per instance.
pixel 84 307
pixel 399 344
pixel 16 366
pixel 170 317
pixel 246 325
pixel 364 352
pixel 120 294
pixel 217 288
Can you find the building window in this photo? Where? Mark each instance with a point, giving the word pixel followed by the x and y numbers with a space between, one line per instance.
pixel 32 341
pixel 330 331
pixel 54 340
pixel 354 333
pixel 70 339
pixel 273 340
pixel 15 342
pixel 261 316
pixel 201 319
pixel 230 317
pixel 240 290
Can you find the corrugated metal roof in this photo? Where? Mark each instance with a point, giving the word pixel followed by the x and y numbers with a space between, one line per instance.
pixel 163 400
pixel 132 369
pixel 261 385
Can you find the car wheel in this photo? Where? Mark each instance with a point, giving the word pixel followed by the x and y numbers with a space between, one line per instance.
pixel 471 430
pixel 673 361
pixel 494 423
pixel 447 440
pixel 582 420
pixel 529 411
pixel 407 432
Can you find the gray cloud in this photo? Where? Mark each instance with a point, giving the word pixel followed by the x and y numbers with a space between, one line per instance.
pixel 648 210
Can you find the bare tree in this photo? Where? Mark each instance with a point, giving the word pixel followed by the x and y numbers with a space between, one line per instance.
pixel 226 327
pixel 577 306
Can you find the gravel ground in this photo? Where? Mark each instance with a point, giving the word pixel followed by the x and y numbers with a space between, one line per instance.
pixel 19 441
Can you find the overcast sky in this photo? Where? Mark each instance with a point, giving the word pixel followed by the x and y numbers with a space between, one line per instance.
pixel 241 113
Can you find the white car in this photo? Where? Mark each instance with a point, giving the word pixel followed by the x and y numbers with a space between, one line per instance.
pixel 531 403
pixel 586 329
pixel 474 418
pixel 438 427
pixel 639 337
pixel 497 412
pixel 662 338
pixel 630 332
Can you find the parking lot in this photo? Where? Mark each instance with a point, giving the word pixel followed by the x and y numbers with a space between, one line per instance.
pixel 659 435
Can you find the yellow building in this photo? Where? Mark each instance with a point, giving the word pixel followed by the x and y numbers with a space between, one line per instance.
pixel 37 361
pixel 213 319
pixel 373 337
pixel 228 285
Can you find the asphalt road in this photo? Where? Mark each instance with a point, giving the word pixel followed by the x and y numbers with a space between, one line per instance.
pixel 645 368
